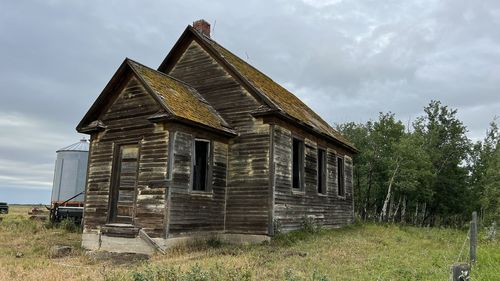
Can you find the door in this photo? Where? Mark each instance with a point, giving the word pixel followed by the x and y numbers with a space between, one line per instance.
pixel 124 188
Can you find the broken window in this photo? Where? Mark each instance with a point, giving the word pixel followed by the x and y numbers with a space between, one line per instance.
pixel 340 176
pixel 298 164
pixel 200 165
pixel 321 171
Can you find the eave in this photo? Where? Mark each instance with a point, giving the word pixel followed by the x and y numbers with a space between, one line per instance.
pixel 283 116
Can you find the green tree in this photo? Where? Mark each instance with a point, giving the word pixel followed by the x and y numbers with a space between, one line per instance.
pixel 387 134
pixel 485 173
pixel 413 182
pixel 447 145
pixel 490 199
pixel 377 160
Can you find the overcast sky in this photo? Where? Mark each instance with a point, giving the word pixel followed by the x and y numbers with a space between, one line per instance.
pixel 348 60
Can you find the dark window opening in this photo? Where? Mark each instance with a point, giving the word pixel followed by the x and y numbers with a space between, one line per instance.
pixel 298 164
pixel 200 165
pixel 340 176
pixel 321 171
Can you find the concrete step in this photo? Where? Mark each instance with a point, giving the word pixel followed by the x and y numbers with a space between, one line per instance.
pixel 120 230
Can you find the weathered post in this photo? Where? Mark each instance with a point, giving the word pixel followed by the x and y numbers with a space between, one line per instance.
pixel 473 237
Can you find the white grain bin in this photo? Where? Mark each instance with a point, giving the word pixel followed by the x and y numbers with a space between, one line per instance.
pixel 70 173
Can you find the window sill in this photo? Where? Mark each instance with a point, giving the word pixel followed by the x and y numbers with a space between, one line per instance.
pixel 298 192
pixel 322 194
pixel 208 194
pixel 341 197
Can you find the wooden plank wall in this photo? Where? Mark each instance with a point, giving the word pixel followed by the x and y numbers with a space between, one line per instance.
pixel 248 168
pixel 195 211
pixel 126 122
pixel 292 207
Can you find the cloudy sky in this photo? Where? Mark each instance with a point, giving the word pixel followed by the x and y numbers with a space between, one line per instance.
pixel 348 60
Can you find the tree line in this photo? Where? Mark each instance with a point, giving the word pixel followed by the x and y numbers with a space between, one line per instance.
pixel 427 172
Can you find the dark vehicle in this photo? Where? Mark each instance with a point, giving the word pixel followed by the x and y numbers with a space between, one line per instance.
pixel 4 208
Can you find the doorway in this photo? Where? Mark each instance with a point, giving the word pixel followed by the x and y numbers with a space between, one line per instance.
pixel 124 187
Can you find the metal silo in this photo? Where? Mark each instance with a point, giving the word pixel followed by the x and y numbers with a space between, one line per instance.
pixel 70 173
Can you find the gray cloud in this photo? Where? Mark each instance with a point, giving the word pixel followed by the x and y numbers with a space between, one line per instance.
pixel 348 60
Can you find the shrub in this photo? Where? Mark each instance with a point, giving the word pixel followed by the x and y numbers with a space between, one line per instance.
pixel 214 243
pixel 310 226
pixel 69 225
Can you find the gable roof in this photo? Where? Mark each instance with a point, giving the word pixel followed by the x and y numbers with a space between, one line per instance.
pixel 178 100
pixel 276 99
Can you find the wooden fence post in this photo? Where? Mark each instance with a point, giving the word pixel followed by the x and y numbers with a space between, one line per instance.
pixel 473 237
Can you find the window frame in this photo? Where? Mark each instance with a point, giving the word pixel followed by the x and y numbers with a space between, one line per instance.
pixel 340 188
pixel 322 190
pixel 208 177
pixel 301 164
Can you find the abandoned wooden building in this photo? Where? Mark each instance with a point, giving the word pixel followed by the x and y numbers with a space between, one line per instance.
pixel 207 145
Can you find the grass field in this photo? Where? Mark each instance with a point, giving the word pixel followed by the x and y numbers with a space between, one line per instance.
pixel 358 252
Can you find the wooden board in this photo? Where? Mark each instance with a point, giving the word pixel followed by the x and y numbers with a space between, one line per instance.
pixel 247 208
pixel 291 208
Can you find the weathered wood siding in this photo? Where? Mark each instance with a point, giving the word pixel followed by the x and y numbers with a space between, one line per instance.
pixel 126 122
pixel 196 211
pixel 292 207
pixel 247 208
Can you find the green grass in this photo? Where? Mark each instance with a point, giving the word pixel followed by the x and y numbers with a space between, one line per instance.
pixel 357 252
pixel 360 252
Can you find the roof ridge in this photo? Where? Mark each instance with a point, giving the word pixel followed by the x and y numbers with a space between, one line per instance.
pixel 272 94
pixel 256 69
pixel 219 49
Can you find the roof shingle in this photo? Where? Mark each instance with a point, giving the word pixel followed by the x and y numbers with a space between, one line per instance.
pixel 286 102
pixel 180 99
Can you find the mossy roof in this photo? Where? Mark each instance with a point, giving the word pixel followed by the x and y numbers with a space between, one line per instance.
pixel 285 101
pixel 179 98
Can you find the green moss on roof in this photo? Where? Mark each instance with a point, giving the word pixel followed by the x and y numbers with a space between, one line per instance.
pixel 285 100
pixel 180 99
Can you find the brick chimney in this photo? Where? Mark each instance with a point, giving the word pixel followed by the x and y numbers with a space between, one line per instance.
pixel 202 26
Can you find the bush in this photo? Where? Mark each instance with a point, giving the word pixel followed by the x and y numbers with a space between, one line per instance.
pixel 309 228
pixel 69 225
pixel 214 243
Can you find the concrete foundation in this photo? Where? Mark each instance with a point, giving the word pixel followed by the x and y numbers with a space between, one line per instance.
pixel 95 241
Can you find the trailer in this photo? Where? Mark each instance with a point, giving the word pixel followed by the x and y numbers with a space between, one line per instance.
pixel 67 210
